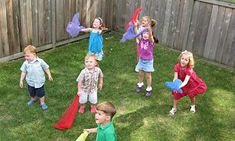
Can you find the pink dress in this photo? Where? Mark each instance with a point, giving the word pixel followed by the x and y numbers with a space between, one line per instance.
pixel 194 86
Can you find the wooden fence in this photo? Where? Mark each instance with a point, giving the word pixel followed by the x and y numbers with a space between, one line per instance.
pixel 43 22
pixel 205 27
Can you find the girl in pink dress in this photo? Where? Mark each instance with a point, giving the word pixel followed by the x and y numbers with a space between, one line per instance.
pixel 192 84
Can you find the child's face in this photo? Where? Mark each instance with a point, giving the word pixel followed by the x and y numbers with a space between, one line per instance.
pixel 146 35
pixel 96 23
pixel 144 22
pixel 29 56
pixel 184 60
pixel 90 62
pixel 101 117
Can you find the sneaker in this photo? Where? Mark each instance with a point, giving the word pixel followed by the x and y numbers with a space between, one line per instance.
pixel 172 111
pixel 192 109
pixel 148 93
pixel 44 106
pixel 139 89
pixel 82 109
pixel 93 109
pixel 30 102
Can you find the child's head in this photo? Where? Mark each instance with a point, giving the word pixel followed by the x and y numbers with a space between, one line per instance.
pixel 186 59
pixel 146 21
pixel 105 112
pixel 90 61
pixel 97 23
pixel 30 53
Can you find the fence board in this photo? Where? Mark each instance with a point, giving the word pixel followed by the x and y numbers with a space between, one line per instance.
pixel 35 20
pixel 202 28
pixel 223 34
pixel 12 12
pixel 162 7
pixel 177 43
pixel 216 35
pixel 229 48
pixel 173 22
pixel 3 30
pixel 193 25
pixel 166 21
pixel 211 29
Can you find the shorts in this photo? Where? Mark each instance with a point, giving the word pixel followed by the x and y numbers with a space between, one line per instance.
pixel 39 92
pixel 144 65
pixel 84 96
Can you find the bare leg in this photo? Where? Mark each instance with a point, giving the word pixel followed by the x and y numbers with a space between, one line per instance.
pixel 42 100
pixel 193 100
pixel 141 76
pixel 149 79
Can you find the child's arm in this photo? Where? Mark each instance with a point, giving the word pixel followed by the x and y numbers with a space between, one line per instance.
pixel 79 87
pixel 86 30
pixel 175 76
pixel 150 34
pixel 91 130
pixel 22 76
pixel 185 81
pixel 48 72
pixel 100 83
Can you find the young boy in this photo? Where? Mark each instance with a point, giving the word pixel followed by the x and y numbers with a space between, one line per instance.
pixel 88 80
pixel 33 68
pixel 105 130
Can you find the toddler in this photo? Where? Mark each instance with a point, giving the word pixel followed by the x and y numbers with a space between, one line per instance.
pixel 88 79
pixel 33 69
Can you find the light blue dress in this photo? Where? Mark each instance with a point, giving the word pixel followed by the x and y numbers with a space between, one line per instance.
pixel 96 44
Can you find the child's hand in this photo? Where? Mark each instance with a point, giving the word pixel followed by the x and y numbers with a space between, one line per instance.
pixel 21 84
pixel 50 78
pixel 100 86
pixel 78 93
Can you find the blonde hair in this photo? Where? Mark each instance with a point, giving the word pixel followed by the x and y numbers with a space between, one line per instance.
pixel 94 57
pixel 108 108
pixel 31 49
pixel 190 55
pixel 152 22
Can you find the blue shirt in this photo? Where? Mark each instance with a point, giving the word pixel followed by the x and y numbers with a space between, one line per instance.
pixel 95 42
pixel 34 71
pixel 106 132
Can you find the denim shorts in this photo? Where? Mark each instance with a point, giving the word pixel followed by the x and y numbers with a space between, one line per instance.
pixel 144 65
pixel 39 92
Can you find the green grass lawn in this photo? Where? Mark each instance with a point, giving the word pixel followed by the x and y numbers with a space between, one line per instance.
pixel 138 118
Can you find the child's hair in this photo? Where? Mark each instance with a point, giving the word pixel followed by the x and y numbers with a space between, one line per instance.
pixel 30 48
pixel 101 22
pixel 108 108
pixel 152 23
pixel 190 55
pixel 94 57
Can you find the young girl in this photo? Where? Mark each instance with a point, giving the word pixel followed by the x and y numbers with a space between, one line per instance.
pixel 88 79
pixel 145 63
pixel 192 84
pixel 145 23
pixel 96 39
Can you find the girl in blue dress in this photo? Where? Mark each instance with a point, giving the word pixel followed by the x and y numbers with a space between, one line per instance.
pixel 96 39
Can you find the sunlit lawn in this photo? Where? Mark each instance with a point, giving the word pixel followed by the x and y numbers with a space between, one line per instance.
pixel 138 118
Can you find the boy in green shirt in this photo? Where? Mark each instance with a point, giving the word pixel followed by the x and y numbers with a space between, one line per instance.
pixel 105 130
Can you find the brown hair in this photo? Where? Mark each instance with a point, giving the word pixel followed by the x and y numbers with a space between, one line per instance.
pixel 190 55
pixel 30 48
pixel 108 108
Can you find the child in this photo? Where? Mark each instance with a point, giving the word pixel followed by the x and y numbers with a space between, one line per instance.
pixel 33 68
pixel 192 84
pixel 145 23
pixel 145 63
pixel 88 79
pixel 105 130
pixel 96 39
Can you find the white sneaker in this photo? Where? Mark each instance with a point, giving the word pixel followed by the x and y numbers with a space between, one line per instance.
pixel 192 109
pixel 172 111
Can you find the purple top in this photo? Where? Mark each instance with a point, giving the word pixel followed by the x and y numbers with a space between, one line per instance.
pixel 146 49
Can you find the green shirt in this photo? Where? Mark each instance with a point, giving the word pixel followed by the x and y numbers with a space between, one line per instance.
pixel 106 132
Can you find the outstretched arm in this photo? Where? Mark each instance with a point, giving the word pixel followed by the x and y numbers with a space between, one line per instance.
pixel 86 30
pixel 185 81
pixel 91 130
